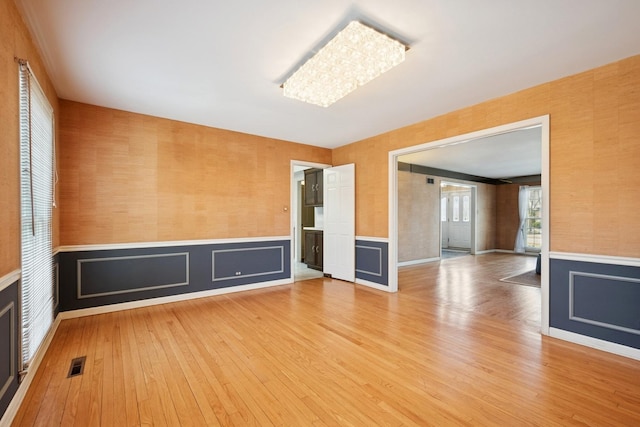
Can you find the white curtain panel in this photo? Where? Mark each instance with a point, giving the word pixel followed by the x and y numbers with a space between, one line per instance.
pixel 523 203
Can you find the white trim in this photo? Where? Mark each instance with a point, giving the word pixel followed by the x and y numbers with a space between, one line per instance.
pixel 56 250
pixel 373 285
pixel 169 299
pixel 373 239
pixel 598 344
pixel 418 261
pixel 17 399
pixel 599 259
pixel 493 251
pixel 504 251
pixel 542 121
pixel 511 252
pixel 9 279
pixel 166 244
pixel 546 220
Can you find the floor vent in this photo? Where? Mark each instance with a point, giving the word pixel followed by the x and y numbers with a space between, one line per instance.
pixel 77 366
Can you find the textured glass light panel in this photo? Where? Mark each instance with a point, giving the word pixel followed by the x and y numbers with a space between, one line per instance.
pixel 355 56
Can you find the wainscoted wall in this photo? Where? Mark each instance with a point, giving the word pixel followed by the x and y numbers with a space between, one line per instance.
pixel 9 332
pixel 96 277
pixel 372 261
pixel 127 177
pixel 596 299
pixel 594 130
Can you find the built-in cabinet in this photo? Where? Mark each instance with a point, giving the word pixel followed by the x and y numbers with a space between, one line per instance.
pixel 313 249
pixel 313 193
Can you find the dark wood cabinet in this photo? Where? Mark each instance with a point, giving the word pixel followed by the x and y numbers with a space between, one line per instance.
pixel 313 193
pixel 313 249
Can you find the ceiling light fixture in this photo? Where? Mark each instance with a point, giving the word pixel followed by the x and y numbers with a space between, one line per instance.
pixel 355 56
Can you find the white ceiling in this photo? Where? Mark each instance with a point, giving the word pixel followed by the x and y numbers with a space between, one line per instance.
pixel 220 63
pixel 508 155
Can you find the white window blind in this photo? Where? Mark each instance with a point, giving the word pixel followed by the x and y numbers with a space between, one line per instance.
pixel 36 204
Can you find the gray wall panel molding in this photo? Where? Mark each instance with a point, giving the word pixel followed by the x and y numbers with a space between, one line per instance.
pixel 8 327
pixel 597 300
pixel 605 296
pixel 246 262
pixel 56 285
pixel 372 258
pixel 9 334
pixel 127 270
pixel 90 279
pixel 377 266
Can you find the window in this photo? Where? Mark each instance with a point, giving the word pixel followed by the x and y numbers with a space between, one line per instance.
pixel 466 210
pixel 533 221
pixel 456 209
pixel 443 209
pixel 36 209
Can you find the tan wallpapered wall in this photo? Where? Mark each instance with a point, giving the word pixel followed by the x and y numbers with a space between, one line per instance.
pixel 15 41
pixel 594 151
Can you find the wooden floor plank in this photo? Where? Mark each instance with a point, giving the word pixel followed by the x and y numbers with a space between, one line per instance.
pixel 455 346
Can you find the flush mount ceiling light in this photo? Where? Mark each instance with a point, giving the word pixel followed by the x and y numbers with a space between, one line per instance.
pixel 355 56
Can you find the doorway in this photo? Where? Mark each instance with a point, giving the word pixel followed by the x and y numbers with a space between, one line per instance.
pixel 470 141
pixel 456 210
pixel 303 219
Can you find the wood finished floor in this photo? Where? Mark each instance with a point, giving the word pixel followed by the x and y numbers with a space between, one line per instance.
pixel 454 347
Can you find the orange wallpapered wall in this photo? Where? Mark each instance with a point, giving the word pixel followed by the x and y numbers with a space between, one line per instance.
pixel 594 152
pixel 127 177
pixel 15 41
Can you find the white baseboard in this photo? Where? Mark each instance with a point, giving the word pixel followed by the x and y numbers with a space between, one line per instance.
pixel 169 299
pixel 417 261
pixel 609 347
pixel 16 401
pixel 489 251
pixel 374 285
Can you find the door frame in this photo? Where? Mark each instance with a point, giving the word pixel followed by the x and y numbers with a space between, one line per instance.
pixel 472 214
pixel 293 209
pixel 543 122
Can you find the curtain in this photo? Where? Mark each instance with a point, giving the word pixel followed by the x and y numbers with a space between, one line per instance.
pixel 523 203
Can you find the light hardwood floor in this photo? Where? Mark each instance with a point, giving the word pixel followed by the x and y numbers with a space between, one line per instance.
pixel 454 347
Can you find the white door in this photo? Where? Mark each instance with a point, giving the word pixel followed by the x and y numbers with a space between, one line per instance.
pixel 459 219
pixel 339 222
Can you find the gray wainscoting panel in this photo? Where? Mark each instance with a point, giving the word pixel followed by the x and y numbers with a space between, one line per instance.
pixel 605 300
pixel 247 262
pixel 56 286
pixel 372 261
pixel 597 300
pixel 102 276
pixel 8 345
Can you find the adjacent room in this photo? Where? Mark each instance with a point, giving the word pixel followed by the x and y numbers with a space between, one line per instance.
pixel 319 213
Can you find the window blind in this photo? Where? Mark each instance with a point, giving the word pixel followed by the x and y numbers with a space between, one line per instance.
pixel 36 198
